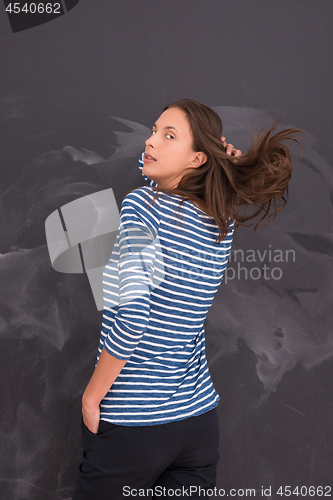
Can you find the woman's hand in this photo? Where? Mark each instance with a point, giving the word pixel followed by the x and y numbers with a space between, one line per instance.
pixel 91 416
pixel 229 149
pixel 105 373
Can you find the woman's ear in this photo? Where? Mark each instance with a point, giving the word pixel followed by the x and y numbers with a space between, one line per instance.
pixel 199 159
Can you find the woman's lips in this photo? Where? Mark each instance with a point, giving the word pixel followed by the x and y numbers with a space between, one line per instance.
pixel 148 158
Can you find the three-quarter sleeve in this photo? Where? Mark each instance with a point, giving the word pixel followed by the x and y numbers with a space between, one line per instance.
pixel 150 181
pixel 136 244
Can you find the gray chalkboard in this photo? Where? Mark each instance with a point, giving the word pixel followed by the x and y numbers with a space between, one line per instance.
pixel 78 96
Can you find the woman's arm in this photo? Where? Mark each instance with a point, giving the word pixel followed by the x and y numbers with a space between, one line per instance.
pixel 106 372
pixel 135 251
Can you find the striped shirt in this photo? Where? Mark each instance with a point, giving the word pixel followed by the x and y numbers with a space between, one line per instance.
pixel 158 286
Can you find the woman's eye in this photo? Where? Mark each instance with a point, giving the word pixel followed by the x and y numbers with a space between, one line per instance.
pixel 153 132
pixel 170 136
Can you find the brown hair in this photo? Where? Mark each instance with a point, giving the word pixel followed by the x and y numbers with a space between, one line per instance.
pixel 225 186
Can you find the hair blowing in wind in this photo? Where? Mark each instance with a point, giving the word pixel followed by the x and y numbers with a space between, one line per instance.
pixel 229 188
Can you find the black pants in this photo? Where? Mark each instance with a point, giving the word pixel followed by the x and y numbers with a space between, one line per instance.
pixel 176 460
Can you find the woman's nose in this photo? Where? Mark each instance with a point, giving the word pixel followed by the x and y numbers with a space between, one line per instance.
pixel 151 141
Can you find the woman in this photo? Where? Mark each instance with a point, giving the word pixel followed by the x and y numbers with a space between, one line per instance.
pixel 149 418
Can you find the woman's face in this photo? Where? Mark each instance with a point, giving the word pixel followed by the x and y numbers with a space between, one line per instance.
pixel 169 154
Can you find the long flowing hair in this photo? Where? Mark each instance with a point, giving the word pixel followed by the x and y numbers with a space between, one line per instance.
pixel 226 186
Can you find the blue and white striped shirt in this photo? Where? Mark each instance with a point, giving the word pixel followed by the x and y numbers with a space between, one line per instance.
pixel 158 286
